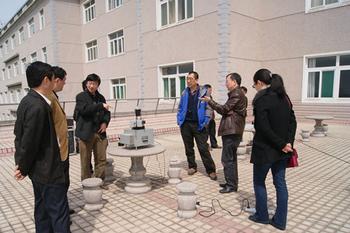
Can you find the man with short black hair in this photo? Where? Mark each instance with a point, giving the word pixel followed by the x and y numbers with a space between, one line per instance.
pixel 231 129
pixel 193 117
pixel 92 116
pixel 37 151
pixel 212 124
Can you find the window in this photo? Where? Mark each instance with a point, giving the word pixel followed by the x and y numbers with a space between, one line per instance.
pixel 114 4
pixel 9 72
pixel 15 69
pixel 41 19
pixel 31 27
pixel 173 79
pixel 119 88
pixel 116 43
pixel 23 65
pixel 12 96
pixel 44 54
pixel 171 12
pixel 312 5
pixel 3 74
pixel 89 11
pixel 91 50
pixel 33 57
pixel 21 35
pixel 327 77
pixel 6 47
pixel 5 97
pixel 13 41
pixel 18 95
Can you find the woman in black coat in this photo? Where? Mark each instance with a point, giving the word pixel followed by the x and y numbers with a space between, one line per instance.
pixel 275 127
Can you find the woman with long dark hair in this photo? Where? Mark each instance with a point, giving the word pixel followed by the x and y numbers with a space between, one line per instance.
pixel 275 127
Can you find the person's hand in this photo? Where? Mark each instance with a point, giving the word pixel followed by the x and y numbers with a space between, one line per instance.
pixel 106 106
pixel 205 98
pixel 287 148
pixel 102 128
pixel 18 175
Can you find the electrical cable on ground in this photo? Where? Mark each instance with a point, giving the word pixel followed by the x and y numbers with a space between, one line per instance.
pixel 212 209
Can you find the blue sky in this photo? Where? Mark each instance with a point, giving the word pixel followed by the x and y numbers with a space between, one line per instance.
pixel 8 9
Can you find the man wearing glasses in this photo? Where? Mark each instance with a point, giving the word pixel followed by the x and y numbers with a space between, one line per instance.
pixel 193 117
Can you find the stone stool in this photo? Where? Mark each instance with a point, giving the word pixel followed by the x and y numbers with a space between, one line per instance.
pixel 109 176
pixel 92 193
pixel 186 200
pixel 174 171
pixel 305 134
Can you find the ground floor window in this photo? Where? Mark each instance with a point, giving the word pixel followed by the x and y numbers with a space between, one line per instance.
pixel 119 88
pixel 327 77
pixel 173 79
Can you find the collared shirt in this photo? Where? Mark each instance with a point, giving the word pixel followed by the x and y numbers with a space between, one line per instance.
pixel 45 98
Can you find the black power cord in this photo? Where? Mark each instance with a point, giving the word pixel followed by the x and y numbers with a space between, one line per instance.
pixel 212 209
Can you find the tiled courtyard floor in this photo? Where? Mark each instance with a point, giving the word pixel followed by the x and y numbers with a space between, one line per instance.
pixel 319 193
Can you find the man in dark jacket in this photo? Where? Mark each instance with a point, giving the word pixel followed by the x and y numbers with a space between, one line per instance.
pixel 92 117
pixel 231 129
pixel 37 152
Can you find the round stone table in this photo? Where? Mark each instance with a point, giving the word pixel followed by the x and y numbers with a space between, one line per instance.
pixel 137 182
pixel 319 128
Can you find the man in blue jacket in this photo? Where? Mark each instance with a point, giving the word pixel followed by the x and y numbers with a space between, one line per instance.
pixel 193 116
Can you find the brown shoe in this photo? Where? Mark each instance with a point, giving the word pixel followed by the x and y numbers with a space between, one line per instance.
pixel 213 176
pixel 191 171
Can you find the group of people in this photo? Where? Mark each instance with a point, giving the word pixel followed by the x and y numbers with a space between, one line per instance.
pixel 41 141
pixel 275 127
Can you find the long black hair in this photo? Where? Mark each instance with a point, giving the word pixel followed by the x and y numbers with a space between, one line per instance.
pixel 274 80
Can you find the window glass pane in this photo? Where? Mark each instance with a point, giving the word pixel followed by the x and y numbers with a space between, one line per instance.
pixel 331 1
pixel 181 10
pixel 189 9
pixel 315 3
pixel 327 83
pixel 313 84
pixel 164 14
pixel 166 87
pixel 169 70
pixel 185 68
pixel 182 84
pixel 171 11
pixel 344 86
pixel 321 61
pixel 345 60
pixel 173 87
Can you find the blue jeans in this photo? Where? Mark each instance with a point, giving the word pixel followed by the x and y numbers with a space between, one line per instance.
pixel 51 211
pixel 278 173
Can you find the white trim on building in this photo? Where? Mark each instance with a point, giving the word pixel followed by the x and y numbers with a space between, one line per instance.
pixel 318 5
pixel 323 77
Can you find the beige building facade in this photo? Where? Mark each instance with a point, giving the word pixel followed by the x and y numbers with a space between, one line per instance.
pixel 144 48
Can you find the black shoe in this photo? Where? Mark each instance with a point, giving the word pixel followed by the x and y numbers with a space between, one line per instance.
pixel 228 189
pixel 222 185
pixel 71 211
pixel 255 219
pixel 276 226
pixel 216 147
